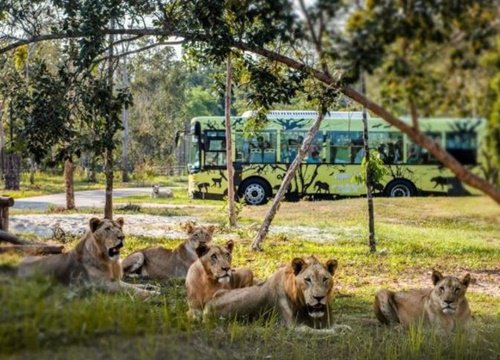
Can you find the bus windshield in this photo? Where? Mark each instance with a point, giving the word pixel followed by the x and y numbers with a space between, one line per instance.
pixel 194 154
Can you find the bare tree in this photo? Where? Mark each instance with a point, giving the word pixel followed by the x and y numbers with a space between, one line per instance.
pixel 229 147
pixel 369 180
pixel 108 205
pixel 125 137
pixel 290 174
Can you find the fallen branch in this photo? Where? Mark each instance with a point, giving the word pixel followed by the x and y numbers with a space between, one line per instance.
pixel 32 249
pixel 13 239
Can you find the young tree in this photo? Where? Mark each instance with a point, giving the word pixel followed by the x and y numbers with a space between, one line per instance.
pixel 229 146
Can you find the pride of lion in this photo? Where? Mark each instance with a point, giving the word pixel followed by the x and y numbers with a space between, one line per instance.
pixel 300 292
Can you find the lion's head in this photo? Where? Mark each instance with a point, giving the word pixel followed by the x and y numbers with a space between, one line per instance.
pixel 108 235
pixel 314 283
pixel 216 260
pixel 449 291
pixel 198 235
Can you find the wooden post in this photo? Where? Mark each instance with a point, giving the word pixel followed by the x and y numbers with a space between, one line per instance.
pixel 5 203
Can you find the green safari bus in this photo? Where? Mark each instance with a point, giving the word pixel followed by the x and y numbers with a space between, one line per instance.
pixel 334 158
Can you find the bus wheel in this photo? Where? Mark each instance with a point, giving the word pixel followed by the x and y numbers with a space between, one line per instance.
pixel 256 192
pixel 400 188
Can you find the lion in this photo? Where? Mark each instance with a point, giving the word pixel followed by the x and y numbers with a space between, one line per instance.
pixel 160 263
pixel 300 292
pixel 94 260
pixel 211 273
pixel 443 306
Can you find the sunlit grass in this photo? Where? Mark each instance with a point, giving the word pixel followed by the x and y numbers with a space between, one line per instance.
pixel 454 235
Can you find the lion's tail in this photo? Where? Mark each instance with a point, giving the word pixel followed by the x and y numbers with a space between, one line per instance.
pixel 385 307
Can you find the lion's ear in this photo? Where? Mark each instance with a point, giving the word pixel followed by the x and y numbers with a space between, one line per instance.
pixel 466 280
pixel 331 266
pixel 211 229
pixel 94 224
pixel 120 221
pixel 436 277
pixel 230 245
pixel 297 265
pixel 202 250
pixel 189 228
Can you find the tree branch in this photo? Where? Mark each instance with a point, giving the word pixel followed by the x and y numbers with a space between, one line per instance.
pixel 419 138
pixel 126 53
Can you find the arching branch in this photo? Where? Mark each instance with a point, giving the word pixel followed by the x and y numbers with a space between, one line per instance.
pixel 418 137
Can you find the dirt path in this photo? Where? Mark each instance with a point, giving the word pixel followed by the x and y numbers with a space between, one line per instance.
pixel 94 199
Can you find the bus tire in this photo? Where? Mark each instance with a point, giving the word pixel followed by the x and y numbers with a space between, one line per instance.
pixel 255 191
pixel 400 188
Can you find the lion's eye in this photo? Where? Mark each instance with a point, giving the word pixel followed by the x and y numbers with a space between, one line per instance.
pixel 214 257
pixel 441 288
pixel 457 290
pixel 325 279
pixel 307 280
pixel 108 229
pixel 228 255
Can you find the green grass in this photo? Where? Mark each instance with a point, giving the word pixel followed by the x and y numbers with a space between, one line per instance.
pixel 455 235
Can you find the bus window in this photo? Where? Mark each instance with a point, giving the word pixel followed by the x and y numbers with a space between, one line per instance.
pixel 416 155
pixel 388 144
pixel 462 145
pixel 357 149
pixel 340 147
pixel 258 149
pixel 290 144
pixel 291 141
pixel 215 149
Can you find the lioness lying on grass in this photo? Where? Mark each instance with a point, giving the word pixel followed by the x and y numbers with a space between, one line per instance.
pixel 443 306
pixel 300 292
pixel 160 263
pixel 212 272
pixel 94 260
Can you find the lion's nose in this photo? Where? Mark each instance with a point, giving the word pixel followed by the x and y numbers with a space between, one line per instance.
pixel 448 302
pixel 318 298
pixel 225 268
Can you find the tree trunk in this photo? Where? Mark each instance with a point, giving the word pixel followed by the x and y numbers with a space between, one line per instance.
pixel 290 174
pixel 125 79
pixel 2 140
pixel 32 170
pixel 12 172
pixel 369 180
pixel 108 205
pixel 91 170
pixel 69 170
pixel 418 137
pixel 229 147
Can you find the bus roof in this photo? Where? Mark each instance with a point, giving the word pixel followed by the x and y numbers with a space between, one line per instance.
pixel 307 114
pixel 298 120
